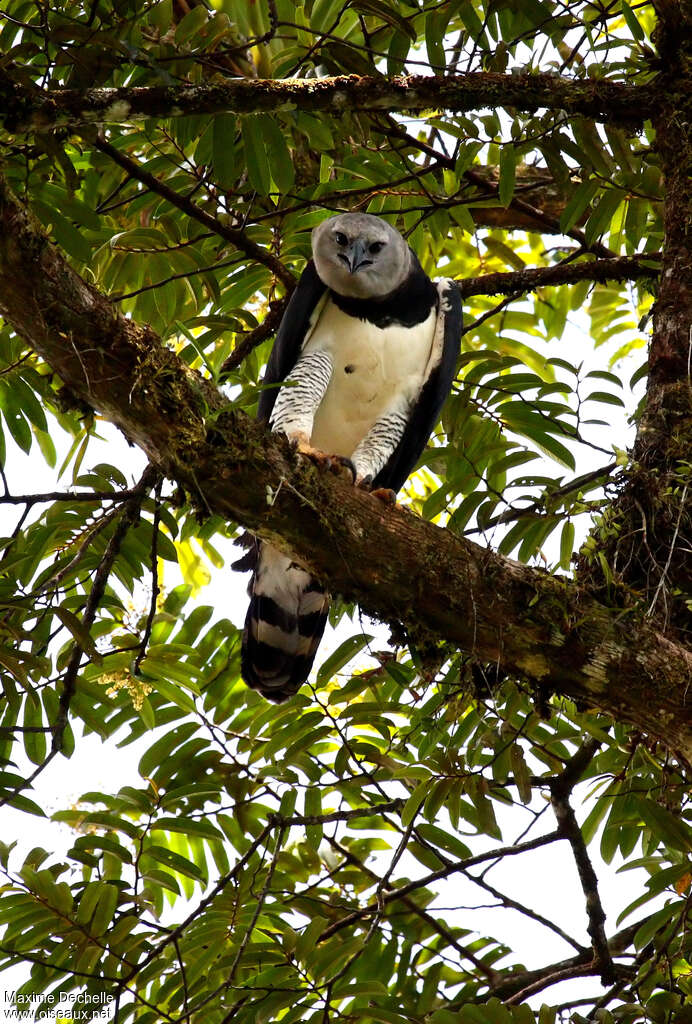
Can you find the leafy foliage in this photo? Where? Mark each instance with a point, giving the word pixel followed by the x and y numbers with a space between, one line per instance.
pixel 333 858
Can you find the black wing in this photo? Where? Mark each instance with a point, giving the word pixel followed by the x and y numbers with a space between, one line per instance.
pixel 290 336
pixel 425 412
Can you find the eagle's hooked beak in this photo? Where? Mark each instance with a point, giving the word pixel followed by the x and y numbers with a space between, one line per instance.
pixel 357 256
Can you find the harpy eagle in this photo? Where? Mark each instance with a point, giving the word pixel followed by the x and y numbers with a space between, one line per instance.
pixel 369 345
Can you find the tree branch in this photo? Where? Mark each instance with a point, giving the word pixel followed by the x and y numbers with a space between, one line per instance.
pixel 516 986
pixel 560 789
pixel 402 891
pixel 400 568
pixel 607 101
pixel 235 236
pixel 129 516
pixel 622 268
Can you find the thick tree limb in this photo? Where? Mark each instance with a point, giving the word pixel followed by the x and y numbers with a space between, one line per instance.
pixel 657 501
pixel 397 566
pixel 670 356
pixel 26 110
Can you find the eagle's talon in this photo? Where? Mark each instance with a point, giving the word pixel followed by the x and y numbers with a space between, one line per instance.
pixel 338 463
pixel 332 463
pixel 364 482
pixel 320 458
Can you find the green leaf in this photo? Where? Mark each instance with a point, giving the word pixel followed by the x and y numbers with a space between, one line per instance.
pixel 313 808
pixel 665 825
pixel 81 635
pixel 662 919
pixel 154 671
pixel 604 375
pixel 599 220
pixel 68 237
pixel 188 826
pixel 307 941
pixel 14 416
pixel 605 398
pixel 566 545
pixel 278 153
pixel 632 21
pixel 224 154
pixel 578 204
pixel 88 901
pixel 522 775
pixel 341 656
pixel 508 168
pixel 255 152
pixel 30 405
pixel 435 25
pixel 173 860
pixel 415 800
pixel 105 908
pixel 398 51
pixel 191 24
pixel 445 840
pixel 34 742
pixel 388 13
pixel 324 14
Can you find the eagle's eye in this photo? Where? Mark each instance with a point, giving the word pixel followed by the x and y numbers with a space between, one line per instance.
pixel 375 247
pixel 341 238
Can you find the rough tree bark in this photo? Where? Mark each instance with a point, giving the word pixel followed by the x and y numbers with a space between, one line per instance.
pixel 27 108
pixel 649 535
pixel 400 568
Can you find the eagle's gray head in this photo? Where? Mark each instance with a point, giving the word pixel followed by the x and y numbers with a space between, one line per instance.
pixel 360 256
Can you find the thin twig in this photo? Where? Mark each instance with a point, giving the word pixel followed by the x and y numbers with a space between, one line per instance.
pixel 35 499
pixel 233 235
pixel 155 589
pixel 670 553
pixel 129 516
pixel 269 325
pixel 404 890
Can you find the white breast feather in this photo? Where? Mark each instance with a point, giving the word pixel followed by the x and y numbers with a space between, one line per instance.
pixel 372 366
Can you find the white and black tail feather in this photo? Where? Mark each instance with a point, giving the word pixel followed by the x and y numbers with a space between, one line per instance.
pixel 284 624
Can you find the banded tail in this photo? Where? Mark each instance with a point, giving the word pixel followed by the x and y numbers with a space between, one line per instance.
pixel 284 623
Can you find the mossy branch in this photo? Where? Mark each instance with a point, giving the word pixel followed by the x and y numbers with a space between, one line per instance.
pixel 33 109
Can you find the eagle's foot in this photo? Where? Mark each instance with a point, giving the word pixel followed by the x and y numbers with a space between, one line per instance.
pixel 333 463
pixel 301 443
pixel 316 455
pixel 385 494
pixel 339 463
